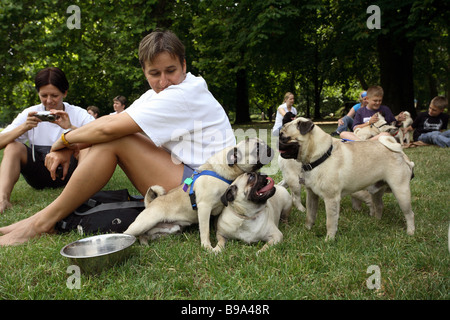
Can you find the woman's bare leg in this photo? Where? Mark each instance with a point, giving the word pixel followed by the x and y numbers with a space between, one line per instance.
pixel 14 155
pixel 143 162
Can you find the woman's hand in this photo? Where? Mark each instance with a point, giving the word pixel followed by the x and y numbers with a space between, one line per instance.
pixel 59 158
pixel 31 121
pixel 62 119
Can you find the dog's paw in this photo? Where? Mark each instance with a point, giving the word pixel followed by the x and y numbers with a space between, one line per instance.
pixel 300 207
pixel 143 240
pixel 217 249
pixel 264 248
pixel 208 247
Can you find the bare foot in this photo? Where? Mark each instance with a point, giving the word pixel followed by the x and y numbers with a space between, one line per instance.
pixel 22 232
pixel 4 205
pixel 11 227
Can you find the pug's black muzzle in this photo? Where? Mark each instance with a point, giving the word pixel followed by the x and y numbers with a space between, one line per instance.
pixel 288 150
pixel 262 187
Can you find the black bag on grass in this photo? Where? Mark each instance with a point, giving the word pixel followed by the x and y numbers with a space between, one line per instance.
pixel 105 212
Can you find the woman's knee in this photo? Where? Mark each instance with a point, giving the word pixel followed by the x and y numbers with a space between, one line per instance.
pixel 16 150
pixel 15 147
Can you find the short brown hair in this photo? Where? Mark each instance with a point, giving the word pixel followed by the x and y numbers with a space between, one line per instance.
pixel 121 99
pixel 375 91
pixel 53 76
pixel 94 109
pixel 440 102
pixel 160 41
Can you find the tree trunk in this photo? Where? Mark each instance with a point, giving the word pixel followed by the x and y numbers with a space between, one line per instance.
pixel 242 104
pixel 317 86
pixel 396 73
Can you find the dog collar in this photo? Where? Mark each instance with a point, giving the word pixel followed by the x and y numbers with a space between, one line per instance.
pixel 312 165
pixel 190 182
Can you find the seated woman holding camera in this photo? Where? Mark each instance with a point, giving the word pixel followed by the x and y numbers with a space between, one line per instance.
pixel 41 132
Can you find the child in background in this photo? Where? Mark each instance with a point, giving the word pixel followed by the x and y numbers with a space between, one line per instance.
pixel 367 115
pixel 346 122
pixel 429 126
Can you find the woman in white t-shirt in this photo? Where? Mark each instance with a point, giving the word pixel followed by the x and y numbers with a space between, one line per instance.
pixel 182 125
pixel 287 106
pixel 51 85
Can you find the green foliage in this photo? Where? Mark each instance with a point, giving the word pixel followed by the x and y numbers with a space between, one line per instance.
pixel 99 59
pixel 310 48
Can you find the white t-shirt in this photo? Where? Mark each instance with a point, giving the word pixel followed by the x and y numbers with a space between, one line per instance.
pixel 185 119
pixel 279 117
pixel 46 133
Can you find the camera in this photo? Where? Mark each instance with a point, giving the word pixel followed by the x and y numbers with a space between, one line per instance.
pixel 45 116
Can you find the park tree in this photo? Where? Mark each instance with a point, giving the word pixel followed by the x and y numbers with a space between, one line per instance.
pixel 402 25
pixel 250 46
pixel 250 52
pixel 98 55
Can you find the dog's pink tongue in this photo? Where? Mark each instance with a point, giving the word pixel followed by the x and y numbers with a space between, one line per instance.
pixel 268 186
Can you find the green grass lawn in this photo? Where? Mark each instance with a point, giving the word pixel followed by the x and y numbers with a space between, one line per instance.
pixel 303 266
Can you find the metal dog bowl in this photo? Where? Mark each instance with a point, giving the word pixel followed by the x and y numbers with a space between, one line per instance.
pixel 97 253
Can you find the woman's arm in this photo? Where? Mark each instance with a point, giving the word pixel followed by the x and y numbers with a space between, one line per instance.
pixel 10 136
pixel 104 129
pixel 281 111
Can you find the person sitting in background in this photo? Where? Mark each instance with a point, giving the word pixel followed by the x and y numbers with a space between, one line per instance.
pixel 287 106
pixel 93 111
pixel 429 126
pixel 119 104
pixel 367 115
pixel 52 86
pixel 346 122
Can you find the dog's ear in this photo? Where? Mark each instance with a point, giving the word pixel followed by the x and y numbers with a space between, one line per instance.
pixel 305 126
pixel 229 195
pixel 232 157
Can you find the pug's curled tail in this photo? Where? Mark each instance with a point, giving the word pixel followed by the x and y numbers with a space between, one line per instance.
pixel 152 193
pixel 392 144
